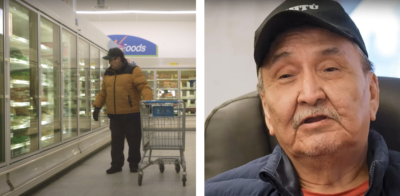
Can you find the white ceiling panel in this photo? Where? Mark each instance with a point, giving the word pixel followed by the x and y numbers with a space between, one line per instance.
pixel 148 5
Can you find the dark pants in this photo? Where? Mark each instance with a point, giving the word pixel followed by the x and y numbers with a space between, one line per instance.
pixel 125 125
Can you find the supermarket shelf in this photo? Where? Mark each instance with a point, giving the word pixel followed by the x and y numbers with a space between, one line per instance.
pixel 19 64
pixel 24 144
pixel 188 98
pixel 25 43
pixel 190 107
pixel 149 80
pixel 26 104
pixel 84 96
pixel 27 125
pixel 167 89
pixel 188 89
pixel 75 107
pixel 188 79
pixel 66 98
pixel 190 114
pixel 20 145
pixel 26 82
pixel 166 79
pixel 168 98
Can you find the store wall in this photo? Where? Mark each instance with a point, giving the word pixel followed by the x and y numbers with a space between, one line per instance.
pixel 175 39
pixel 230 69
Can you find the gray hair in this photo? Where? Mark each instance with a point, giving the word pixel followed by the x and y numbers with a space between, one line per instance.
pixel 367 66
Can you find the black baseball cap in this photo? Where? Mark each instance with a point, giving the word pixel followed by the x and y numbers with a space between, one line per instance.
pixel 114 52
pixel 327 14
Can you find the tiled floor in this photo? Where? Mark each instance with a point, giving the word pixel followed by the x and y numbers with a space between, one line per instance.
pixel 90 178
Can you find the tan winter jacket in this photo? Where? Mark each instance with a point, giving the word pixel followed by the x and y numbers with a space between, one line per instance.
pixel 122 90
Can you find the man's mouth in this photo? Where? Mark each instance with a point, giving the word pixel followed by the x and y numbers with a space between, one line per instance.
pixel 313 119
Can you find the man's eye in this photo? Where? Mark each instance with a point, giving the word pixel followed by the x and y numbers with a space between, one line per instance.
pixel 331 69
pixel 285 76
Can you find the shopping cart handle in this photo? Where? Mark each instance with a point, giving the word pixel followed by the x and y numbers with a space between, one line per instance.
pixel 158 101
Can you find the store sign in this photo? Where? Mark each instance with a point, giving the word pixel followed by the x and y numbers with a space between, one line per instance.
pixel 135 46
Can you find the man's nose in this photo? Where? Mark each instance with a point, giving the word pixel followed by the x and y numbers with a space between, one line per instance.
pixel 311 90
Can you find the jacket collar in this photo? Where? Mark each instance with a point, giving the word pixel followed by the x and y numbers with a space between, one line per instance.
pixel 124 64
pixel 280 172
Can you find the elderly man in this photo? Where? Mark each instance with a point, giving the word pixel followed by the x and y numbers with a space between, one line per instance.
pixel 319 95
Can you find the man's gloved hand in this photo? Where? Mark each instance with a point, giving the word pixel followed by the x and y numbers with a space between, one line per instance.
pixel 149 108
pixel 96 114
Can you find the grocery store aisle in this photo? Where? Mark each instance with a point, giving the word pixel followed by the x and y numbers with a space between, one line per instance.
pixel 89 178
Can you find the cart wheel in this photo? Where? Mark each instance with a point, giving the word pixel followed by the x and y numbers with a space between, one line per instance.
pixel 184 180
pixel 140 178
pixel 162 167
pixel 177 167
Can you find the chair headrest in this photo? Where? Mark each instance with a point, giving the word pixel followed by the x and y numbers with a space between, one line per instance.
pixel 388 116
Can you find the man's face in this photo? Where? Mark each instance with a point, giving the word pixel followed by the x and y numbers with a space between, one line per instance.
pixel 317 98
pixel 115 63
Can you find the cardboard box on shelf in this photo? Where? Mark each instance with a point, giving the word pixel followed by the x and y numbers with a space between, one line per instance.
pixel 174 84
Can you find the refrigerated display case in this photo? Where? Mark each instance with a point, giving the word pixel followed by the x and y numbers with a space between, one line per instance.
pixel 70 78
pixel 2 92
pixel 94 81
pixel 167 85
pixel 103 68
pixel 149 75
pixel 24 88
pixel 174 84
pixel 45 94
pixel 188 90
pixel 50 87
pixel 84 86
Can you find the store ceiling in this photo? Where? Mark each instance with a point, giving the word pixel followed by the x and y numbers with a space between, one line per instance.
pixel 150 5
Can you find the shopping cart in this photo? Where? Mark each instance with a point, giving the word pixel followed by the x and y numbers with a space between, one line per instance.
pixel 163 128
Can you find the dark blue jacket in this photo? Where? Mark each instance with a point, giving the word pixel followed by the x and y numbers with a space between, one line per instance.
pixel 275 175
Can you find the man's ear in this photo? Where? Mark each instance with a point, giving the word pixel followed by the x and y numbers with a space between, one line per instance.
pixel 374 96
pixel 266 114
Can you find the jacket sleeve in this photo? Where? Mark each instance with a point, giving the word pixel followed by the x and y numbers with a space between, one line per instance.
pixel 141 84
pixel 101 96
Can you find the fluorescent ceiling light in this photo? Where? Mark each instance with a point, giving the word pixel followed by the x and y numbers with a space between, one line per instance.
pixel 135 12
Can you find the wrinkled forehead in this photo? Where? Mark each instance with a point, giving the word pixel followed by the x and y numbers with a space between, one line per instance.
pixel 285 40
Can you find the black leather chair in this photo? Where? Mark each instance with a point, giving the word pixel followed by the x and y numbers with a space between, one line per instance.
pixel 235 132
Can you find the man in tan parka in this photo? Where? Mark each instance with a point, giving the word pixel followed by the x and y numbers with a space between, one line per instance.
pixel 123 86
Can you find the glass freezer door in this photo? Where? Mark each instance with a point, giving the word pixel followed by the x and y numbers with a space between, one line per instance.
pixel 167 84
pixel 50 68
pixel 84 92
pixel 24 93
pixel 188 90
pixel 2 109
pixel 70 76
pixel 149 75
pixel 94 80
pixel 103 68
